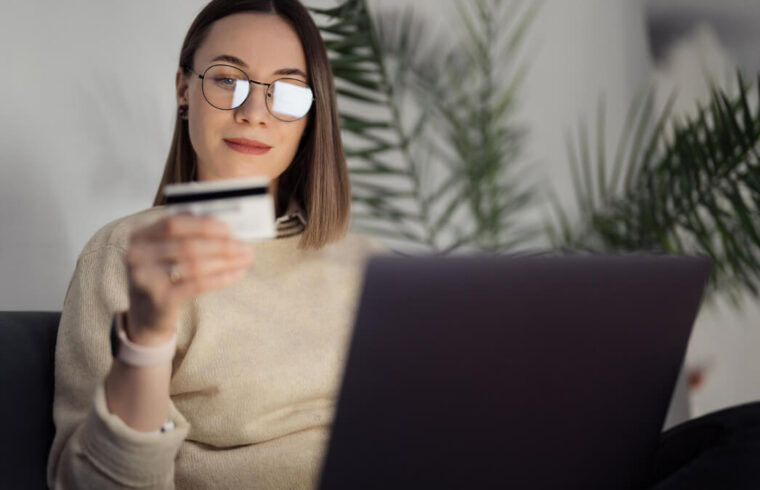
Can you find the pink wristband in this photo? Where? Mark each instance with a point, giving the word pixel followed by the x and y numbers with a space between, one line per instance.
pixel 140 355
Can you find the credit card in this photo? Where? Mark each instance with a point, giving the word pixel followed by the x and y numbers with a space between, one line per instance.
pixel 245 205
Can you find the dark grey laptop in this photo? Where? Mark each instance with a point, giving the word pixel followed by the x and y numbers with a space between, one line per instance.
pixel 549 372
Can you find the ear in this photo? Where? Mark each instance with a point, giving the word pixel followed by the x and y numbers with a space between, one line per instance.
pixel 182 87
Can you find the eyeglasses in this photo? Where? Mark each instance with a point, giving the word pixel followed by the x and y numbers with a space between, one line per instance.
pixel 226 87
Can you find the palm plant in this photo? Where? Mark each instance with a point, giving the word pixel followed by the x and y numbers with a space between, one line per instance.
pixel 438 167
pixel 679 185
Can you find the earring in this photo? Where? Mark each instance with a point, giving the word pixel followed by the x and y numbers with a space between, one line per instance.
pixel 182 111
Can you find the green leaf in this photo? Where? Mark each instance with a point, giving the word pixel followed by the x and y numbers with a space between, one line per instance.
pixel 695 192
pixel 437 125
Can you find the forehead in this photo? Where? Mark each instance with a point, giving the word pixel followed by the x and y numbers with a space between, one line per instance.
pixel 265 42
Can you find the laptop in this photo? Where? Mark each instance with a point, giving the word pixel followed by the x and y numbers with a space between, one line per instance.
pixel 538 372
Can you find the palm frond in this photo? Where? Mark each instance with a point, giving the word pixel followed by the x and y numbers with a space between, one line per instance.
pixel 474 100
pixel 412 179
pixel 387 204
pixel 691 186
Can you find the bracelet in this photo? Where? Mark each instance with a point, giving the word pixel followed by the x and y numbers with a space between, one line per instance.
pixel 139 355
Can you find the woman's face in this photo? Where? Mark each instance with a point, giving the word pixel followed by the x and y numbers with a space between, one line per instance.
pixel 267 48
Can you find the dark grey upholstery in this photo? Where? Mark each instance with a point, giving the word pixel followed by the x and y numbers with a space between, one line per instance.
pixel 27 363
pixel 27 355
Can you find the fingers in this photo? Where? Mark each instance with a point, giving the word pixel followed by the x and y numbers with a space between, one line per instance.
pixel 183 237
pixel 201 251
pixel 202 284
pixel 198 275
pixel 190 269
pixel 184 225
pixel 187 249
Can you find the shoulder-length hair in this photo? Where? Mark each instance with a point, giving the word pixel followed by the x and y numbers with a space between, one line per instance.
pixel 317 178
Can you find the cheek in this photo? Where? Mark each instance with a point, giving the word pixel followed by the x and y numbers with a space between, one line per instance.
pixel 203 133
pixel 290 139
pixel 295 133
pixel 197 124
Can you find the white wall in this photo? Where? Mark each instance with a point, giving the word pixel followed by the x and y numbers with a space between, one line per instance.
pixel 84 130
pixel 585 51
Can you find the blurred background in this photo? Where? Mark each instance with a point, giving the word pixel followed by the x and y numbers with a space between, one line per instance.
pixel 89 104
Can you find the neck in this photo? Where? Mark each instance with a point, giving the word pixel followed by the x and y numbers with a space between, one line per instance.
pixel 273 192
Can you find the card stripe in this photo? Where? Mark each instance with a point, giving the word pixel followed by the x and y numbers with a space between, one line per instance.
pixel 213 195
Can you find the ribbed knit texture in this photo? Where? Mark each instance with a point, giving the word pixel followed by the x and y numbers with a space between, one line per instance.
pixel 254 380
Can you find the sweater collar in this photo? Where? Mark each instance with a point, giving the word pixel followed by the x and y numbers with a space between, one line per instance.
pixel 292 222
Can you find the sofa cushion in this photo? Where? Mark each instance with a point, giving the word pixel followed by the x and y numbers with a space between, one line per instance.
pixel 27 361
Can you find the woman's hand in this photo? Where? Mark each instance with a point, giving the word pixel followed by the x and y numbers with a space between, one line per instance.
pixel 203 256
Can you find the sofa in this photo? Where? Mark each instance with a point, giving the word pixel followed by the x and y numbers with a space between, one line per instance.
pixel 722 448
pixel 27 351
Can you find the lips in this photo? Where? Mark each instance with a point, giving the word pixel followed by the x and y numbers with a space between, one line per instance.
pixel 249 147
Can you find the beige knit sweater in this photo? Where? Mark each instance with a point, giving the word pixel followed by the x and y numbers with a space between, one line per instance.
pixel 254 380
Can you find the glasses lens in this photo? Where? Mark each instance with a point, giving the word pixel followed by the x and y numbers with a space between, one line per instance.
pixel 289 99
pixel 225 87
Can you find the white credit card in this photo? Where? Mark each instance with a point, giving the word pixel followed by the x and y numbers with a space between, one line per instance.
pixel 245 205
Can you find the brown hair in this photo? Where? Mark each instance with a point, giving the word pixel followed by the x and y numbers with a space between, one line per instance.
pixel 317 178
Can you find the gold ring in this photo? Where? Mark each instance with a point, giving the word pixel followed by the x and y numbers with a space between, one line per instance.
pixel 174 274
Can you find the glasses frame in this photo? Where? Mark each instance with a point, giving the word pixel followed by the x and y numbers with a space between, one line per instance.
pixel 250 91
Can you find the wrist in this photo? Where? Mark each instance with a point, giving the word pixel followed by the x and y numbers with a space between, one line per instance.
pixel 135 354
pixel 144 336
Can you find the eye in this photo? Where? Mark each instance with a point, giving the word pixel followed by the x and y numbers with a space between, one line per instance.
pixel 225 80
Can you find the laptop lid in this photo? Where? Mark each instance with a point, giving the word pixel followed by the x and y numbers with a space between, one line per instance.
pixel 548 372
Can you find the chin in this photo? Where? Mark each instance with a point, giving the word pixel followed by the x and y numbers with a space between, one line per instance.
pixel 242 174
pixel 243 169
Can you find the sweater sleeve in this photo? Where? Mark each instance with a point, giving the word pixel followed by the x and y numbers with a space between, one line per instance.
pixel 377 247
pixel 92 447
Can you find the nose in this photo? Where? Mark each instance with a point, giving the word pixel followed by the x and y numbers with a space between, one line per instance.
pixel 254 109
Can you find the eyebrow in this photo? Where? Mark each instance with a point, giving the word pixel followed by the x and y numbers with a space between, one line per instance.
pixel 237 61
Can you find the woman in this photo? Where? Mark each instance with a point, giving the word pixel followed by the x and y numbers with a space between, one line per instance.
pixel 236 386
